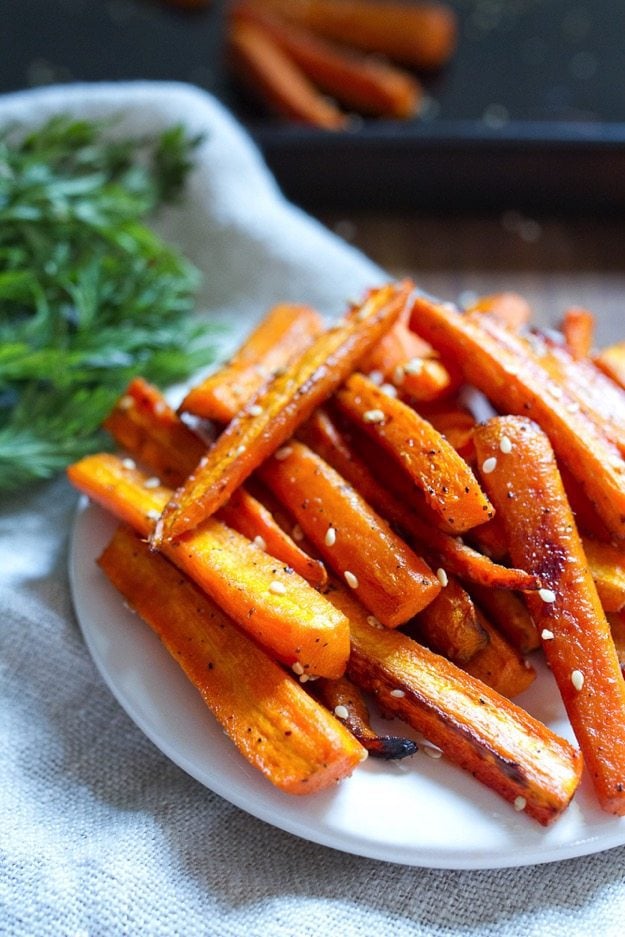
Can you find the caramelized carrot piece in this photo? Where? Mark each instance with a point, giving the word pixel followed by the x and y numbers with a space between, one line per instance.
pixel 476 728
pixel 394 349
pixel 588 521
pixel 578 328
pixel 449 625
pixel 607 568
pixel 422 35
pixel 456 425
pixel 388 577
pixel 616 621
pixel 526 487
pixel 286 330
pixel 448 484
pixel 272 76
pixel 276 411
pixel 359 82
pixel 512 309
pixel 344 699
pixel 278 608
pixel 292 740
pixel 506 369
pixel 611 361
pixel 510 616
pixel 499 664
pixel 424 380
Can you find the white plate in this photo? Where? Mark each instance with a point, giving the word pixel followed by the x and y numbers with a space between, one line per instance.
pixel 416 812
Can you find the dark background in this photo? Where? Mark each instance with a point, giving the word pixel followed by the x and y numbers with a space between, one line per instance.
pixel 530 112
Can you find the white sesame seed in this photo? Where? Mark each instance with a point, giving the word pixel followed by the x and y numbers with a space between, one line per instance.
pixel 129 463
pixel 373 621
pixel 520 803
pixel 547 635
pixel 547 595
pixel 255 410
pixel 442 577
pixel 304 678
pixel 555 391
pixel 505 445
pixel 278 588
pixel 397 693
pixel 373 416
pixel 239 450
pixel 577 679
pixel 152 514
pixel 330 537
pixel 297 668
pixel 260 542
pixel 350 579
pixel 388 389
pixel 489 465
pixel 341 712
pixel 152 482
pixel 125 402
pixel 414 366
pixel 297 533
pixel 283 453
pixel 376 377
pixel 431 751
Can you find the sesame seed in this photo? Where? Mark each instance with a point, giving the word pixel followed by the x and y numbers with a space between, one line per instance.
pixel 373 621
pixel 297 668
pixel 505 445
pixel 297 533
pixel 278 588
pixel 520 803
pixel 304 678
pixel 547 635
pixel 125 402
pixel 129 463
pixel 547 595
pixel 431 751
pixel 489 465
pixel 373 416
pixel 442 577
pixel 152 482
pixel 283 453
pixel 260 542
pixel 376 377
pixel 414 366
pixel 255 410
pixel 330 537
pixel 389 390
pixel 350 579
pixel 577 679
pixel 152 514
pixel 397 693
pixel 555 391
pixel 341 712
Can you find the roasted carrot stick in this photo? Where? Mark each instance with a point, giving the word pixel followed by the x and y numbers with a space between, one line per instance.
pixel 146 427
pixel 421 35
pixel 292 740
pixel 286 330
pixel 499 664
pixel 611 361
pixel 270 602
pixel 512 309
pixel 525 486
pixel 505 368
pixel 476 728
pixel 344 699
pixel 448 484
pixel 449 624
pixel 395 348
pixel 388 577
pixel 578 328
pixel 607 568
pixel 510 616
pixel 358 82
pixel 616 620
pixel 270 75
pixel 275 412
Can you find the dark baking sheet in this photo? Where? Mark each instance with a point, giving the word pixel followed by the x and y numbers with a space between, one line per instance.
pixel 530 113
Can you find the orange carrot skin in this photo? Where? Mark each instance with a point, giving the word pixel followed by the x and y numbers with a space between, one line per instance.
pixel 274 414
pixel 272 76
pixel 510 616
pixel 578 328
pixel 499 664
pixel 449 625
pixel 503 367
pixel 526 486
pixel 448 484
pixel 286 330
pixel 611 361
pixel 270 602
pixel 478 729
pixel 607 567
pixel 512 309
pixel 387 576
pixel 275 724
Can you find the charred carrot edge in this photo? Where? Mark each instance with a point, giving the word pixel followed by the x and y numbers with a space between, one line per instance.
pixel 143 424
pixel 388 577
pixel 611 361
pixel 448 484
pixel 510 616
pixel 274 605
pixel 270 75
pixel 324 437
pixel 360 82
pixel 292 740
pixel 578 328
pixel 421 35
pixel 449 625
pixel 499 664
pixel 276 411
pixel 512 309
pixel 286 330
pixel 478 729
pixel 514 380
pixel 344 699
pixel 607 568
pixel 526 486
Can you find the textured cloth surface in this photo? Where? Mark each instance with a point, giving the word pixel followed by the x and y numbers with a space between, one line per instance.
pixel 99 833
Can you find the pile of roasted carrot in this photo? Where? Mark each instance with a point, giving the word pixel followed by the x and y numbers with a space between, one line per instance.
pixel 323 522
pixel 319 61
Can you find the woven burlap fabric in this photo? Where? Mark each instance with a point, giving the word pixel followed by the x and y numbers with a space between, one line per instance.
pixel 99 833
